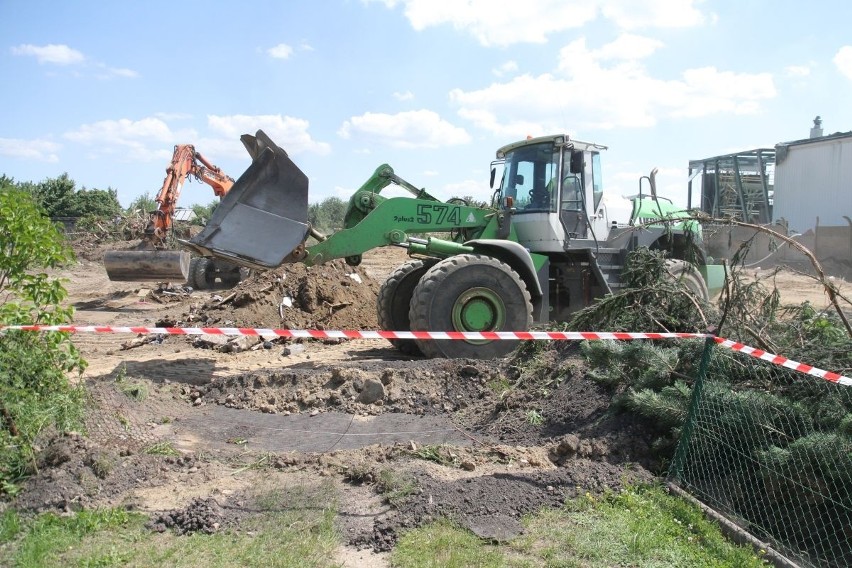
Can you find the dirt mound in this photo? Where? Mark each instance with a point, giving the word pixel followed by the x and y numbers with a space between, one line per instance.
pixel 329 296
pixel 492 506
pixel 201 515
pixel 414 387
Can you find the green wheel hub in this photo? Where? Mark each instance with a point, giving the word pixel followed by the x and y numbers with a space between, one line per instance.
pixel 478 309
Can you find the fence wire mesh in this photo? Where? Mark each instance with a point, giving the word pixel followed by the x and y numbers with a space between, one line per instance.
pixel 771 449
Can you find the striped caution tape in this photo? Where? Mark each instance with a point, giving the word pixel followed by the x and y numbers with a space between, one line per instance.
pixel 784 362
pixel 452 335
pixel 354 334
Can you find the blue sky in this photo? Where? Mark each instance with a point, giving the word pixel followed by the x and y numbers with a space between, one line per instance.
pixel 103 90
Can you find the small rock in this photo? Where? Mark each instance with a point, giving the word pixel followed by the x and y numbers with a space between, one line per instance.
pixel 293 349
pixel 568 446
pixel 469 371
pixel 468 465
pixel 373 392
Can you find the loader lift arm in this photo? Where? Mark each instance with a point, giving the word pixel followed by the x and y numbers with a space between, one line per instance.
pixel 271 204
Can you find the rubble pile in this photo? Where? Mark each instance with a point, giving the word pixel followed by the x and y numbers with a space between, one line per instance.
pixel 329 296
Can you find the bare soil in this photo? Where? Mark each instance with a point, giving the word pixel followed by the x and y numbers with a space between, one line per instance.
pixel 483 442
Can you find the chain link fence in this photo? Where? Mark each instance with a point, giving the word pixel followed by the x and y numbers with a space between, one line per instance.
pixel 770 448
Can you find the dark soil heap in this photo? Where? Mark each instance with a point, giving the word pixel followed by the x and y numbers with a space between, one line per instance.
pixel 329 296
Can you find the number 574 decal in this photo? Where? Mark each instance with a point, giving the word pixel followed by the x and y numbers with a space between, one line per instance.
pixel 438 214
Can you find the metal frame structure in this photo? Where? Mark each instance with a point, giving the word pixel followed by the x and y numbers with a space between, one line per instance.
pixel 738 186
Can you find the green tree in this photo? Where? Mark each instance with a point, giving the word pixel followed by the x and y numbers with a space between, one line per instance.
pixel 35 392
pixel 56 196
pixel 203 212
pixel 327 215
pixel 95 203
pixel 143 204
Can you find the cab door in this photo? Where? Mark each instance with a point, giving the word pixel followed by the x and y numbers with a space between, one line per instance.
pixel 572 202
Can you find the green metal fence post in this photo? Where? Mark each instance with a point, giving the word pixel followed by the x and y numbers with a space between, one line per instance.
pixel 689 425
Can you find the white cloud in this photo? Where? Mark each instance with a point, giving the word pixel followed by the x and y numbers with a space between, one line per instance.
pixel 506 22
pixel 626 47
pixel 39 150
pixel 135 140
pixel 288 132
pixel 406 96
pixel 122 72
pixel 64 55
pixel 631 15
pixel 478 190
pixel 608 88
pixel 797 71
pixel 280 51
pixel 501 22
pixel 411 129
pixel 843 61
pixel 51 53
pixel 506 68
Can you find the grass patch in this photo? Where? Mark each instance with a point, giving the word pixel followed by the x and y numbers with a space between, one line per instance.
pixel 48 536
pixel 10 525
pixel 444 545
pixel 636 527
pixel 163 448
pixel 134 390
pixel 439 454
pixel 534 418
pixel 288 527
pixel 395 486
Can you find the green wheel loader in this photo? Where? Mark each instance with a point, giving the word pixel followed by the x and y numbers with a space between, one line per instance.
pixel 550 243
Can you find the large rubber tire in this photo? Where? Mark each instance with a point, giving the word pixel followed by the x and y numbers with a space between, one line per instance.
pixel 394 302
pixel 690 277
pixel 470 292
pixel 202 273
pixel 231 278
pixel 190 277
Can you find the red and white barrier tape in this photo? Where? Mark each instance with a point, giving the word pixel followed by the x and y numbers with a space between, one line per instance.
pixel 469 335
pixel 784 362
pixel 353 334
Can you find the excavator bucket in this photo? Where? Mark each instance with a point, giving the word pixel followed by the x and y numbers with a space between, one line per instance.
pixel 263 219
pixel 147 265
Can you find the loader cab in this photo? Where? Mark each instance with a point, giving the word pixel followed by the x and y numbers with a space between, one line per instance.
pixel 555 187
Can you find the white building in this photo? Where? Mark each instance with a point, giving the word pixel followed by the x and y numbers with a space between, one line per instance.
pixel 813 181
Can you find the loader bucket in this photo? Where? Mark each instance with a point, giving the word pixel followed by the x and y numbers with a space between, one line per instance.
pixel 264 217
pixel 147 265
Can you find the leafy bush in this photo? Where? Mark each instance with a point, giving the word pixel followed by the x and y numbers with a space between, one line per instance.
pixel 35 392
pixel 327 215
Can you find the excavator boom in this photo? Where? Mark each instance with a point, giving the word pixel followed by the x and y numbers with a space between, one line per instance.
pixel 151 261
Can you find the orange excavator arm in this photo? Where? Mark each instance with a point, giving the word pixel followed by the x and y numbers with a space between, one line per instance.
pixel 185 162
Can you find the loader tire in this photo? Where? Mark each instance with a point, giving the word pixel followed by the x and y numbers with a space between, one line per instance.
pixel 690 277
pixel 202 273
pixel 234 276
pixel 470 292
pixel 394 302
pixel 190 277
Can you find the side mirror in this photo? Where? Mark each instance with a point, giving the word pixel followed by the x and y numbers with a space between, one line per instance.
pixel 576 162
pixel 493 175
